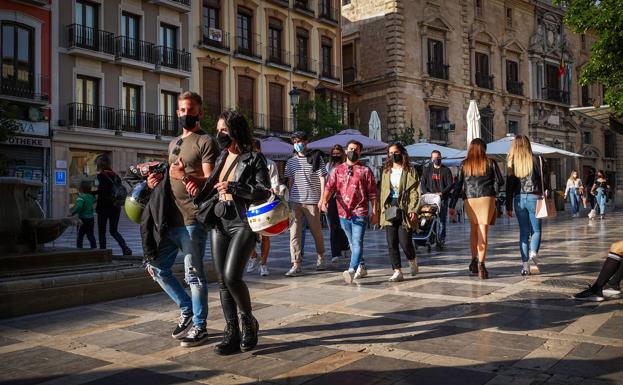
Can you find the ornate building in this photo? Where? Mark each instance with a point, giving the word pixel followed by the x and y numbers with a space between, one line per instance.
pixel 419 62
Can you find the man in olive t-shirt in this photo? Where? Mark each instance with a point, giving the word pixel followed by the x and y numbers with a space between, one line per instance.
pixel 192 156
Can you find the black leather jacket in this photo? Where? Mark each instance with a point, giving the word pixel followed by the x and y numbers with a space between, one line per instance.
pixel 530 184
pixel 478 186
pixel 251 184
pixel 154 220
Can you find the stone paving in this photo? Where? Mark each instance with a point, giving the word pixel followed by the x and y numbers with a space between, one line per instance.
pixel 441 327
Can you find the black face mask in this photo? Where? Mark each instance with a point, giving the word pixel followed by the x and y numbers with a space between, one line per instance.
pixel 352 156
pixel 336 159
pixel 397 158
pixel 223 140
pixel 188 121
pixel 437 162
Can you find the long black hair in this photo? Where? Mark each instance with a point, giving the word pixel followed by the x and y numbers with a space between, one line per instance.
pixel 238 129
pixel 406 165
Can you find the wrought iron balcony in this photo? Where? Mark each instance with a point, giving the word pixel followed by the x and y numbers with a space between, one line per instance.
pixel 556 95
pixel 166 125
pixel 350 74
pixel 81 36
pixel 438 70
pixel 303 6
pixel 484 80
pixel 305 64
pixel 278 56
pixel 215 38
pixel 88 115
pixel 249 45
pixel 328 12
pixel 173 58
pixel 26 85
pixel 515 88
pixel 330 71
pixel 135 121
pixel 139 50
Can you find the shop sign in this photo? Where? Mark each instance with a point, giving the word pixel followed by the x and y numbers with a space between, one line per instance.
pixel 27 141
pixel 60 177
pixel 34 128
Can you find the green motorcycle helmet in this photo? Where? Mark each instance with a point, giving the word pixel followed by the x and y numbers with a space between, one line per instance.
pixel 136 201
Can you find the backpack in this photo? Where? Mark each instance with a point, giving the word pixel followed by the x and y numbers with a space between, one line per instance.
pixel 118 192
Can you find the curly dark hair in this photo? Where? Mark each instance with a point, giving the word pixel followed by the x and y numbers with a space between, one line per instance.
pixel 406 165
pixel 340 149
pixel 238 129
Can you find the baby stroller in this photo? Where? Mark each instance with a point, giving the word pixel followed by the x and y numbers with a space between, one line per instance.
pixel 429 225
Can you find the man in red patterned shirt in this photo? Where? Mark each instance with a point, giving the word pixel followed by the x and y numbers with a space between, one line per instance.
pixel 355 190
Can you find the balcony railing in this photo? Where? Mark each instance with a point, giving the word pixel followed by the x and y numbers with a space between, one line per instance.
pixel 135 121
pixel 484 80
pixel 303 5
pixel 329 71
pixel 513 87
pixel 212 37
pixel 81 36
pixel 129 48
pixel 276 55
pixel 328 12
pixel 438 70
pixel 166 125
pixel 556 95
pixel 350 74
pixel 305 64
pixel 249 45
pixel 88 115
pixel 183 2
pixel 173 58
pixel 26 85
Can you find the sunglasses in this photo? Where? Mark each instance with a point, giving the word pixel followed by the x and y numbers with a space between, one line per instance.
pixel 177 149
pixel 350 170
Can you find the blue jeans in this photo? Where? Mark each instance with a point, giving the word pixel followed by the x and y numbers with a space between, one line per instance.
pixel 601 200
pixel 191 240
pixel 529 225
pixel 355 228
pixel 443 219
pixel 575 200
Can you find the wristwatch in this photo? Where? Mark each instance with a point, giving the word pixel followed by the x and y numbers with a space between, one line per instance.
pixel 185 179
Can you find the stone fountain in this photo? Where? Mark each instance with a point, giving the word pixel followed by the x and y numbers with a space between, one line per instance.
pixel 23 227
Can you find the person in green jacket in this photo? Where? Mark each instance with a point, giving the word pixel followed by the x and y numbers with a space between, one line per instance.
pixel 84 209
pixel 399 188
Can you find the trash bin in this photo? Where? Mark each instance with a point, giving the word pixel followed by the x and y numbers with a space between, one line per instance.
pixel 559 200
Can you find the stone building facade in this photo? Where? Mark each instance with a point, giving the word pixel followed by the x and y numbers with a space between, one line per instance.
pixel 419 62
pixel 118 67
pixel 250 54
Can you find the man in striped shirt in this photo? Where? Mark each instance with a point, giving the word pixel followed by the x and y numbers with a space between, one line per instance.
pixel 305 174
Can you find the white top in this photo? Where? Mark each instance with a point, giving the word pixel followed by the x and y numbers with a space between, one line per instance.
pixel 273 174
pixel 394 180
pixel 576 184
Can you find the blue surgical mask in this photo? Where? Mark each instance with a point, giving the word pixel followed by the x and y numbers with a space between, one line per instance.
pixel 299 147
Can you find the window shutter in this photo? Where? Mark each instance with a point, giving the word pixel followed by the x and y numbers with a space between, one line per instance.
pixel 275 98
pixel 246 95
pixel 212 91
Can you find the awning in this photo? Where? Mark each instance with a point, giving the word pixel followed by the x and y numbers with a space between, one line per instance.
pixel 602 115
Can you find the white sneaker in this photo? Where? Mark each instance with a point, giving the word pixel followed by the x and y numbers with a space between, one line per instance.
pixel 252 265
pixel 264 270
pixel 534 268
pixel 525 268
pixel 320 264
pixel 294 272
pixel 348 276
pixel 361 272
pixel 335 260
pixel 414 267
pixel 397 277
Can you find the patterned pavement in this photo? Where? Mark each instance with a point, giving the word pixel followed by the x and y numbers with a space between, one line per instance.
pixel 441 327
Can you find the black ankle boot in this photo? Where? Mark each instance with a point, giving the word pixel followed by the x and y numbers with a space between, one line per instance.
pixel 231 340
pixel 473 266
pixel 250 328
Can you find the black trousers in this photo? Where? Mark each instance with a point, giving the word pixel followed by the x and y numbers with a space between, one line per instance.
pixel 339 241
pixel 110 216
pixel 87 228
pixel 232 242
pixel 397 235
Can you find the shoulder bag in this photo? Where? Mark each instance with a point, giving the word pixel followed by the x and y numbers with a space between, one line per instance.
pixel 545 206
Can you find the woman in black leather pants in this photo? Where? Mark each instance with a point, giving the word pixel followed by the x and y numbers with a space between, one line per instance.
pixel 240 178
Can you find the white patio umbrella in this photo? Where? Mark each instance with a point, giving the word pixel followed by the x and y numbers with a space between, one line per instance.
pixel 424 149
pixel 374 132
pixel 502 146
pixel 473 121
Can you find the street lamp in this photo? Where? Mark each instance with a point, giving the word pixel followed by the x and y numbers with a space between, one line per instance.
pixel 294 101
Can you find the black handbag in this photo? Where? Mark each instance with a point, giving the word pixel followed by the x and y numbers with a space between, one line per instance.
pixel 393 214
